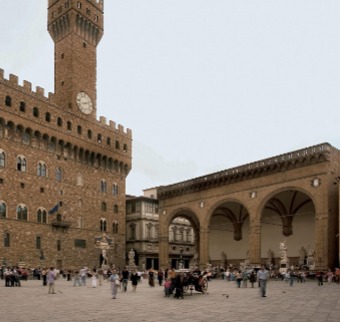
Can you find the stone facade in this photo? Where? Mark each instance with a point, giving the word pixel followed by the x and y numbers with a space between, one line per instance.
pixel 62 171
pixel 142 224
pixel 245 211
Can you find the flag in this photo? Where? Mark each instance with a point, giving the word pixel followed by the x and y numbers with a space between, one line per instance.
pixel 54 209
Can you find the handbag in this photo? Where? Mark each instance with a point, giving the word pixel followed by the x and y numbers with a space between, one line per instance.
pixel 117 282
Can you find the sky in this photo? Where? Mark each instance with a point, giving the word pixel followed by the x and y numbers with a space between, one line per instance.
pixel 203 85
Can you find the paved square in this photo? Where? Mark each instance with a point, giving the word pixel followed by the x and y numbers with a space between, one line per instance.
pixel 299 303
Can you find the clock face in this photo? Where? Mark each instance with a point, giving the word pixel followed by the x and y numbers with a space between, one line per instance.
pixel 84 103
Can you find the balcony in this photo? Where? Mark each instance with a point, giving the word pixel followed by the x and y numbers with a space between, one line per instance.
pixel 60 224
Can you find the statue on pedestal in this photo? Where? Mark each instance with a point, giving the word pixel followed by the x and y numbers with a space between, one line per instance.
pixel 131 257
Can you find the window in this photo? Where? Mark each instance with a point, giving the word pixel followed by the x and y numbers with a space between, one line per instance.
pixel 35 112
pixel 69 125
pixel 89 134
pixel 42 170
pixel 115 189
pixel 103 206
pixel 115 209
pixel 21 164
pixel 115 227
pixel 117 145
pixel 125 148
pixel 59 122
pixel 108 141
pixel 58 174
pixel 8 101
pixel 38 242
pixel 149 230
pixel 48 117
pixel 22 212
pixel 3 209
pixel 7 240
pixel 22 107
pixel 99 138
pixel 2 159
pixel 102 224
pixel 78 5
pixel 103 186
pixel 80 243
pixel 58 245
pixel 132 231
pixel 79 129
pixel 42 216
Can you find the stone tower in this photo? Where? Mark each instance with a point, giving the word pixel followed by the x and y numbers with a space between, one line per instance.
pixel 76 27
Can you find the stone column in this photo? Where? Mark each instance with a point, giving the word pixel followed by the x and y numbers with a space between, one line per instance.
pixel 321 241
pixel 255 243
pixel 203 247
pixel 163 250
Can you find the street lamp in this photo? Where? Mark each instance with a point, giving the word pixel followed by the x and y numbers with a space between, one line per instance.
pixel 181 265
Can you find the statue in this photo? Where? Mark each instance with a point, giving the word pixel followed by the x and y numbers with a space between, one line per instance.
pixel 105 259
pixel 270 257
pixel 283 249
pixel 310 252
pixel 131 257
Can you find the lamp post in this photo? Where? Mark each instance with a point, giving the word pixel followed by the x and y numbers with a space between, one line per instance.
pixel 181 265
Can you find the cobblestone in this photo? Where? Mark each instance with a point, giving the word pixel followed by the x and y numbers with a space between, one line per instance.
pixel 299 303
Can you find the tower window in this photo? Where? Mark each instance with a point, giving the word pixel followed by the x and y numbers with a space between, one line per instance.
pixel 8 101
pixel 59 122
pixel 89 134
pixel 2 159
pixel 69 125
pixel 7 240
pixel 35 112
pixel 62 56
pixel 102 224
pixel 79 129
pixel 108 141
pixel 84 44
pixel 78 5
pixel 22 107
pixel 48 117
pixel 3 210
pixel 117 145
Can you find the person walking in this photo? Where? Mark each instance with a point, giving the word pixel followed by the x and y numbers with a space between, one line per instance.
pixel 252 278
pixel 262 276
pixel 115 283
pixel 51 276
pixel 134 280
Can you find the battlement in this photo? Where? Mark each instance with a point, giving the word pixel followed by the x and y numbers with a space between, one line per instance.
pixel 13 81
pixel 97 3
pixel 117 128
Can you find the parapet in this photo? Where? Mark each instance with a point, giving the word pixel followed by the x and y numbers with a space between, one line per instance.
pixel 97 3
pixel 26 86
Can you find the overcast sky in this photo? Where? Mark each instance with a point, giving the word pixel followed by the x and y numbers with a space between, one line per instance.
pixel 203 85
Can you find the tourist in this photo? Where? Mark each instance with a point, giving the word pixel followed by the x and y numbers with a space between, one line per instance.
pixel 151 277
pixel 115 283
pixel 51 276
pixel 134 280
pixel 167 288
pixel 160 276
pixel 94 278
pixel 125 279
pixel 76 279
pixel 262 276
pixel 238 279
pixel 319 276
pixel 252 278
pixel 83 275
pixel 337 275
pixel 244 278
pixel 330 276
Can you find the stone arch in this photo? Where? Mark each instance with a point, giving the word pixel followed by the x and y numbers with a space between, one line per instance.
pixel 289 214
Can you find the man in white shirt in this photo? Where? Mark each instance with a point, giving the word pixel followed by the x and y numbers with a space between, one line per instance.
pixel 262 277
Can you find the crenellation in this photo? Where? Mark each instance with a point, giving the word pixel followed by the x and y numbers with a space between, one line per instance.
pixel 112 124
pixel 13 79
pixel 27 85
pixel 40 91
pixel 120 128
pixel 102 119
pixel 1 73
pixel 50 96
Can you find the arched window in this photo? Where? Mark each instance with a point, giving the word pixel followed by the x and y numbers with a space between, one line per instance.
pixel 42 216
pixel 38 242
pixel 59 122
pixel 22 212
pixel 103 186
pixel 21 164
pixel 102 224
pixel 8 101
pixel 115 227
pixel 103 206
pixel 69 125
pixel 22 107
pixel 35 112
pixel 117 145
pixel 89 134
pixel 58 174
pixel 3 210
pixel 41 169
pixel 79 129
pixel 48 117
pixel 7 240
pixel 2 159
pixel 115 209
pixel 115 189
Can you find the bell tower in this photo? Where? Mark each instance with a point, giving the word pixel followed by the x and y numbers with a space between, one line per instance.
pixel 76 27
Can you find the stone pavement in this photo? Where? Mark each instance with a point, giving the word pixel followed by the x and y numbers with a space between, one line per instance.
pixel 299 303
